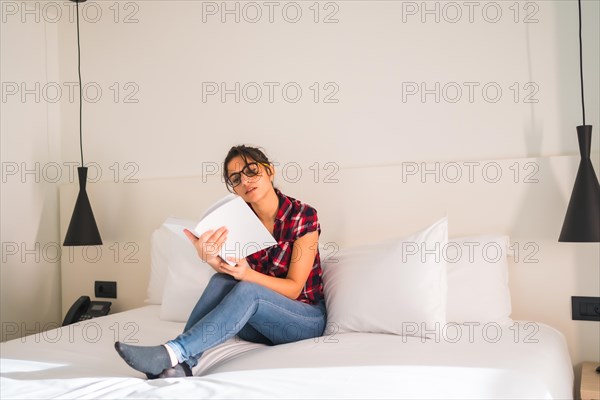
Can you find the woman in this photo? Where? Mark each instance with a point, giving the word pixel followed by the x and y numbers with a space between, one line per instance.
pixel 273 296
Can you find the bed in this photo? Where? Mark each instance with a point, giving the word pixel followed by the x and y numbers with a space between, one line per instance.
pixel 429 338
pixel 78 361
pixel 375 346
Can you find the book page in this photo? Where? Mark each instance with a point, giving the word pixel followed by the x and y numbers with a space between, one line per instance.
pixel 246 236
pixel 178 224
pixel 219 203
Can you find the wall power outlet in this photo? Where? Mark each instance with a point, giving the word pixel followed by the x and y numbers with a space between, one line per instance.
pixel 106 289
pixel 585 308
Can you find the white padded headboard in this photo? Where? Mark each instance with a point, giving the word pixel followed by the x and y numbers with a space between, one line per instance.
pixel 524 198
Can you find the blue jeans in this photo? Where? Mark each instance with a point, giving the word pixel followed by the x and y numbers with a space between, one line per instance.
pixel 255 313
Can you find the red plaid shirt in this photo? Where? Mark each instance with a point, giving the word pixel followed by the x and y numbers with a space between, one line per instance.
pixel 294 219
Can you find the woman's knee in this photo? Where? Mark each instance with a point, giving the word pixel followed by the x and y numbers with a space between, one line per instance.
pixel 221 278
pixel 219 285
pixel 248 289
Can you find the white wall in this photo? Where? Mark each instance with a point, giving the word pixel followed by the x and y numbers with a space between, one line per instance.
pixel 369 54
pixel 30 268
pixel 165 53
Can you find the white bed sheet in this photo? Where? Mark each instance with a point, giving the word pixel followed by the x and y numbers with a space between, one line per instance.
pixel 519 361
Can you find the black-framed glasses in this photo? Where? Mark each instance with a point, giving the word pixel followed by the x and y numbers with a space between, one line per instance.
pixel 251 170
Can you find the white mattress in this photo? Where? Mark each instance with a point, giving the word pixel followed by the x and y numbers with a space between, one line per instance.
pixel 79 361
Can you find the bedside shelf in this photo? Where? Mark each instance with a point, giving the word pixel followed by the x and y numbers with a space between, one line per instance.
pixel 590 381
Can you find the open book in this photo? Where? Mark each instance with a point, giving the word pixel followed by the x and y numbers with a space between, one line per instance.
pixel 246 235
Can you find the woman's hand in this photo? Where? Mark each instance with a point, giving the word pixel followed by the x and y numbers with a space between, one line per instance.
pixel 240 271
pixel 209 244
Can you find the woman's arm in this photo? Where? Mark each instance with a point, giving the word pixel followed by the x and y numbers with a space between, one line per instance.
pixel 304 251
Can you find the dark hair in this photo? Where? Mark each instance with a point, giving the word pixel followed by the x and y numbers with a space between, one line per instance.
pixel 255 153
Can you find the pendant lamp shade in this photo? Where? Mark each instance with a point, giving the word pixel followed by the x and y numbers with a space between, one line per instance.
pixel 83 230
pixel 582 221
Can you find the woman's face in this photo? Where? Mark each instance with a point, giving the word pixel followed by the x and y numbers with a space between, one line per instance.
pixel 251 189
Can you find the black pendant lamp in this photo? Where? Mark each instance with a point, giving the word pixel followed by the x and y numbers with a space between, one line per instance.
pixel 83 230
pixel 582 222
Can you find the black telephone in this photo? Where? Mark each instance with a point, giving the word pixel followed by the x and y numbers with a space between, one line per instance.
pixel 84 309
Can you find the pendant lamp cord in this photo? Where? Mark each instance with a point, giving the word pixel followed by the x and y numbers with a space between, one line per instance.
pixel 80 86
pixel 581 63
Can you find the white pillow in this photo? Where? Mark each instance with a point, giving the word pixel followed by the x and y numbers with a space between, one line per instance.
pixel 478 279
pixel 186 279
pixel 388 287
pixel 159 263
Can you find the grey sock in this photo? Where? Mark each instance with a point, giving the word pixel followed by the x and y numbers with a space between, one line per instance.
pixel 147 359
pixel 179 371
